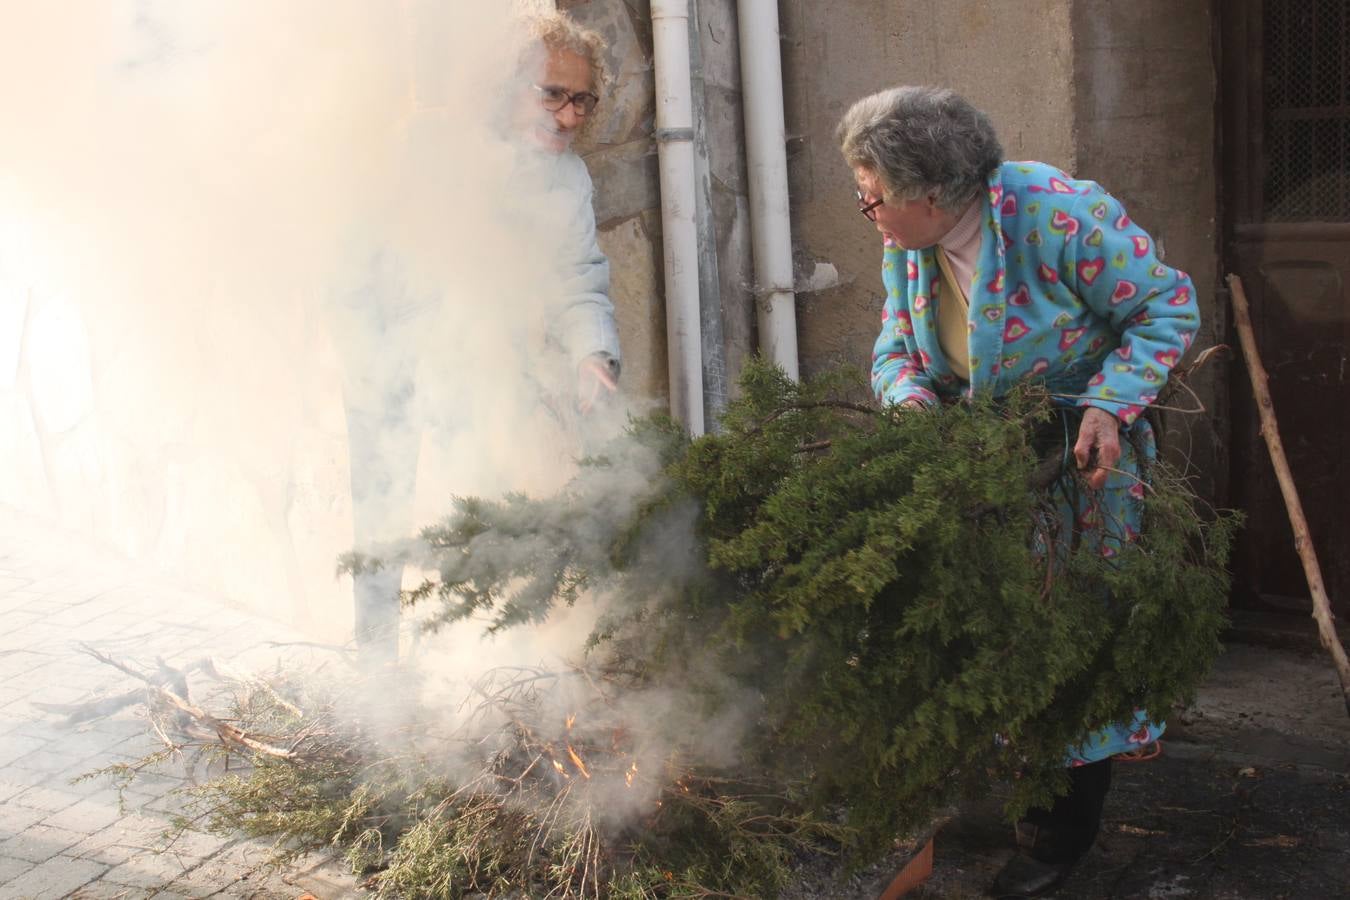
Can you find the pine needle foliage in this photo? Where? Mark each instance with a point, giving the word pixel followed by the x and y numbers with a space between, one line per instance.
pixel 499 806
pixel 896 590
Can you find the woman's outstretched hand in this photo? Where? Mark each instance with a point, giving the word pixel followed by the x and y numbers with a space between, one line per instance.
pixel 595 380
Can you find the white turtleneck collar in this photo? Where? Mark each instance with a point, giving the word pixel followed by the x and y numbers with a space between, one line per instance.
pixel 962 242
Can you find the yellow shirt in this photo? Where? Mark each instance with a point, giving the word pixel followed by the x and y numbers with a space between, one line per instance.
pixel 952 314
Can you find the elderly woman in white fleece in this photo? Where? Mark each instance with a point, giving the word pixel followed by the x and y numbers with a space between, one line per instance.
pixel 551 112
pixel 562 74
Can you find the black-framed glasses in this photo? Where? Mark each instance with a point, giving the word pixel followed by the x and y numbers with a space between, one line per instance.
pixel 868 210
pixel 554 98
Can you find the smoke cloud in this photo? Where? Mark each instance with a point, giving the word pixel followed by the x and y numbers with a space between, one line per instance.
pixel 226 229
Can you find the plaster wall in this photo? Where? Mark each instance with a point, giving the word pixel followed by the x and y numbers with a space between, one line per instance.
pixel 1012 59
pixel 1145 113
pixel 1094 87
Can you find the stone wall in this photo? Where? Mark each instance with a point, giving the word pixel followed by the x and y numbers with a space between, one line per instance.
pixel 619 152
pixel 622 157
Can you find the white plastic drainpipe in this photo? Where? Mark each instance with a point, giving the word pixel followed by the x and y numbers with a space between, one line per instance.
pixel 675 145
pixel 766 161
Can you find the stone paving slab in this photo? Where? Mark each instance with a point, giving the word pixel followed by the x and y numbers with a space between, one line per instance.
pixel 11 869
pixel 53 878
pixel 153 871
pixel 82 839
pixel 38 843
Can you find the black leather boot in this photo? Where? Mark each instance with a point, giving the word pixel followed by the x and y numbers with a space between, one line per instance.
pixel 1029 873
pixel 1051 841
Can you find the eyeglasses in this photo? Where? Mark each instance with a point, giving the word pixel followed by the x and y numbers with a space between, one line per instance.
pixel 554 99
pixel 868 210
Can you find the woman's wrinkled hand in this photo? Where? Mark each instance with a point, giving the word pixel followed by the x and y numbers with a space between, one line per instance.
pixel 595 379
pixel 896 410
pixel 1098 446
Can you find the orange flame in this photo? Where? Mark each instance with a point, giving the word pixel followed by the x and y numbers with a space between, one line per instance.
pixel 628 776
pixel 561 771
pixel 576 761
pixel 570 719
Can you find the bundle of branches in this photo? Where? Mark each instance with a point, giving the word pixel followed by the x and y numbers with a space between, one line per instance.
pixel 511 796
pixel 815 628
pixel 886 602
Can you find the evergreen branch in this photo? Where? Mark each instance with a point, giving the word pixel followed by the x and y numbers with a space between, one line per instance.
pixel 813 404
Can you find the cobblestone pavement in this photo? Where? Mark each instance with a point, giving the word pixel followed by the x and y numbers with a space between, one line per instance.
pixel 65 838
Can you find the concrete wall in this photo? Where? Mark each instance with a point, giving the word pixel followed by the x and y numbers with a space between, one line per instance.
pixel 1145 108
pixel 1013 59
pixel 1078 84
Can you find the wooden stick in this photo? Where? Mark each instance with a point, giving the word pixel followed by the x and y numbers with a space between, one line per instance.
pixel 1326 627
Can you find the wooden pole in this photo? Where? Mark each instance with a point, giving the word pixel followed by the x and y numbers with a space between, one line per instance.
pixel 1270 430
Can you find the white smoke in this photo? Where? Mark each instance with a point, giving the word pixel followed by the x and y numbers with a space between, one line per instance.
pixel 198 201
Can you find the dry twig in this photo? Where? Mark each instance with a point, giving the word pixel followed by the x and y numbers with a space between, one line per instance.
pixel 228 734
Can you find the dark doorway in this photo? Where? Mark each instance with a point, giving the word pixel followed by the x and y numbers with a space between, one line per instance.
pixel 1285 96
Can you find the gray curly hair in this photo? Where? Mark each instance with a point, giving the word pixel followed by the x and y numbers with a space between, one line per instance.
pixel 559 31
pixel 552 31
pixel 922 140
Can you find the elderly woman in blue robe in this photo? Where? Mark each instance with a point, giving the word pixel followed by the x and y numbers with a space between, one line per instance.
pixel 1002 272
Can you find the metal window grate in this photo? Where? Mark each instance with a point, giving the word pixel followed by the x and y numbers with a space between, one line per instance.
pixel 1307 110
